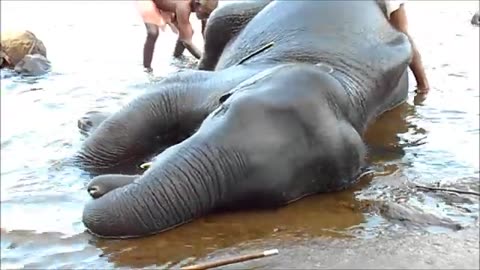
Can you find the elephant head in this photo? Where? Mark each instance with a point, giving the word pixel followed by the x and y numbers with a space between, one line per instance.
pixel 275 138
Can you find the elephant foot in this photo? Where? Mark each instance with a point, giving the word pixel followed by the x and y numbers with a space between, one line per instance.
pixel 91 121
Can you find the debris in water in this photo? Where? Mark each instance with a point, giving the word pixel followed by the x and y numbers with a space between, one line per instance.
pixel 237 259
pixel 448 190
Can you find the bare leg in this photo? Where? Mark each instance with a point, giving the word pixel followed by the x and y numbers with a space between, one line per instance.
pixel 149 47
pixel 179 49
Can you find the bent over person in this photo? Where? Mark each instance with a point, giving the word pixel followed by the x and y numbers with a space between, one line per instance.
pixel 397 16
pixel 156 14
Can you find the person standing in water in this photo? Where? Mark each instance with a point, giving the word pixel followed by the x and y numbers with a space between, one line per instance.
pixel 397 16
pixel 156 14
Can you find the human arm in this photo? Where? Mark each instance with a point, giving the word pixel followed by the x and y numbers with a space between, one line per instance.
pixel 185 30
pixel 398 19
pixel 204 25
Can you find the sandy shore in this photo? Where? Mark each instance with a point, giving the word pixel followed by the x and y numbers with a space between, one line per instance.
pixel 454 250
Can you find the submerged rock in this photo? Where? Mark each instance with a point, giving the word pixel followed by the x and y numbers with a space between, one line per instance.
pixel 411 215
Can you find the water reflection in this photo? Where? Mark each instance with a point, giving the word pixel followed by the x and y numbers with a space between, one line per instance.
pixel 326 215
pixel 387 139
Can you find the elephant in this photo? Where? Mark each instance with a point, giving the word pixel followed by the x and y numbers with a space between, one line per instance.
pixel 276 116
pixel 223 26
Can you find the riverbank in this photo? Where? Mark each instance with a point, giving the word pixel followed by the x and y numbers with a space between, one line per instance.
pixel 452 250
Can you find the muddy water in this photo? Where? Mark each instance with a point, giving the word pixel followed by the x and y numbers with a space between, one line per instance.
pixel 96 56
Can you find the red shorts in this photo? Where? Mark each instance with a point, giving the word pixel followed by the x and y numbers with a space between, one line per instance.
pixel 151 14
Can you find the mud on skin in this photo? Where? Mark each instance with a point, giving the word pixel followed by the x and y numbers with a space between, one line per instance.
pixel 273 130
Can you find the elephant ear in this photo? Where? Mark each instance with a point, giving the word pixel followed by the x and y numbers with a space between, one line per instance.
pixel 251 82
pixel 396 56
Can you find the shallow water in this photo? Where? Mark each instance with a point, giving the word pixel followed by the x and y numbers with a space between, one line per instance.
pixel 97 66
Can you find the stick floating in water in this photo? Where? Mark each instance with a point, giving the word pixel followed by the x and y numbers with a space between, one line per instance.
pixel 237 259
pixel 449 190
pixel 146 165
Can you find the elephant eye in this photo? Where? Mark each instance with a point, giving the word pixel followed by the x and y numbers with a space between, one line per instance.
pixel 224 97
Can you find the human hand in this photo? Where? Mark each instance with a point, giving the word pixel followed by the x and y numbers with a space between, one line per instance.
pixel 192 49
pixel 422 89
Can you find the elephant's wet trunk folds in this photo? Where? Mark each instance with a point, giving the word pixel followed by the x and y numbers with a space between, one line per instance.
pixel 155 121
pixel 183 184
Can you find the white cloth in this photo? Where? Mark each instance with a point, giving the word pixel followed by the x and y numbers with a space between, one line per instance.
pixel 393 5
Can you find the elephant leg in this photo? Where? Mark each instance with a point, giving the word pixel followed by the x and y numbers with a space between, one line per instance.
pixel 145 126
pixel 103 184
pixel 91 121
pixel 223 25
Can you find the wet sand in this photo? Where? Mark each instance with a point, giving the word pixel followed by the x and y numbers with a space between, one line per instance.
pixel 453 250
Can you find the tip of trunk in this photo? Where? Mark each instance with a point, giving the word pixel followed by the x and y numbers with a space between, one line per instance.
pixel 182 185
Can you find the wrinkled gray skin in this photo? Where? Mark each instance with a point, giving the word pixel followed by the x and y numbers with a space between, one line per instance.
pixel 223 26
pixel 154 121
pixel 33 65
pixel 285 128
pixel 476 18
pixel 88 123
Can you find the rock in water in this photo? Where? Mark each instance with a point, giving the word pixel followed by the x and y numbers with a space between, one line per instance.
pixel 15 45
pixel 476 19
pixel 33 65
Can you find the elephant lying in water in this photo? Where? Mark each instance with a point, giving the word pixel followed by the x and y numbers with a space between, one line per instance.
pixel 278 116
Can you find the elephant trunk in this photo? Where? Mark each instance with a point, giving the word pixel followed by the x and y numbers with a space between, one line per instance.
pixel 145 127
pixel 184 183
